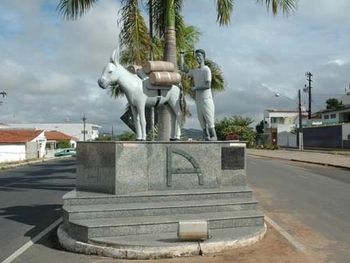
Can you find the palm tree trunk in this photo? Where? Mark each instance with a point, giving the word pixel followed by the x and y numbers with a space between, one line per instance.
pixel 164 117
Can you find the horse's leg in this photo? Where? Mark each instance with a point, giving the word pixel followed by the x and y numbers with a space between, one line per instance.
pixel 174 105
pixel 136 119
pixel 141 111
pixel 178 119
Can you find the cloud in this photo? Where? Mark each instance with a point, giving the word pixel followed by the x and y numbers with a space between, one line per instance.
pixel 339 62
pixel 49 66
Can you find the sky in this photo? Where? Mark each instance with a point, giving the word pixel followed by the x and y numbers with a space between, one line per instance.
pixel 50 66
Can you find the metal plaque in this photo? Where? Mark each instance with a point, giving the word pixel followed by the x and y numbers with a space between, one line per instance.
pixel 232 158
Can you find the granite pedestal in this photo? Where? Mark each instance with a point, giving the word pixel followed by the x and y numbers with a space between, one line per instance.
pixel 130 194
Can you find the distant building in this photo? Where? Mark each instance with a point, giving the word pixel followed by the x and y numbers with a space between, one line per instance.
pixel 333 130
pixel 21 144
pixel 336 116
pixel 346 98
pixel 55 137
pixel 282 120
pixel 75 130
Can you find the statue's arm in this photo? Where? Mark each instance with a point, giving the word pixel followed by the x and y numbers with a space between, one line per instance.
pixel 183 67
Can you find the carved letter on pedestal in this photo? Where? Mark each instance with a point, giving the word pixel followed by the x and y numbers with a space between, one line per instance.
pixel 170 170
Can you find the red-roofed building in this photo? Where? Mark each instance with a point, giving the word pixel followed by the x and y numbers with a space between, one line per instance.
pixel 21 144
pixel 55 137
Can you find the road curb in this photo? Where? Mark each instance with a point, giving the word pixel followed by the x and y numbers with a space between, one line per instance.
pixel 301 161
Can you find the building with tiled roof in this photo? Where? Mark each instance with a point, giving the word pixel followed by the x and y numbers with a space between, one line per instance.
pixel 75 130
pixel 55 137
pixel 21 144
pixel 18 135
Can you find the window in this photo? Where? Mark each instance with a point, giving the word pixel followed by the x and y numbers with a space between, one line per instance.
pixel 326 117
pixel 278 120
pixel 333 116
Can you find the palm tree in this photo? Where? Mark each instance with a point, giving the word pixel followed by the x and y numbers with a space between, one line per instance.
pixel 166 20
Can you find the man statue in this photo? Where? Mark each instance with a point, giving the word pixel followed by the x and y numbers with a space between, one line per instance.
pixel 204 97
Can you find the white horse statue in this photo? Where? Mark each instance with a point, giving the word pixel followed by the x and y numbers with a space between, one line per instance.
pixel 139 96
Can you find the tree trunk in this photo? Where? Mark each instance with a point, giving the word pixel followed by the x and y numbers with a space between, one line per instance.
pixel 164 117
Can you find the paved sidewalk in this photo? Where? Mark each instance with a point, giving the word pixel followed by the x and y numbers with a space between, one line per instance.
pixel 340 161
pixel 5 166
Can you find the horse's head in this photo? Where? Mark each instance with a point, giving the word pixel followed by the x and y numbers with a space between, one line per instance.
pixel 110 73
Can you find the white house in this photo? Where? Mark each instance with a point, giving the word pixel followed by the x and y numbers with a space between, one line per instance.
pixel 336 116
pixel 75 130
pixel 282 120
pixel 285 122
pixel 21 144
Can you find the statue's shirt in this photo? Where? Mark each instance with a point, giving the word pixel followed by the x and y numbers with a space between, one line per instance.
pixel 200 77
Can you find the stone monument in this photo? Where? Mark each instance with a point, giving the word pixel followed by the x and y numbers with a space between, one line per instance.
pixel 142 200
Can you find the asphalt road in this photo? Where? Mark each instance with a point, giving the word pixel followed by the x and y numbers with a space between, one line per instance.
pixel 30 200
pixel 311 202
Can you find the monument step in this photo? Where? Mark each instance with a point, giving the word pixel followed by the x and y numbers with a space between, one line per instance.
pixel 158 208
pixel 108 227
pixel 84 198
pixel 163 240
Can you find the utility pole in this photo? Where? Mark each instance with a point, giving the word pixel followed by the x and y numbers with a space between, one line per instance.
pixel 309 79
pixel 84 121
pixel 300 130
pixel 112 133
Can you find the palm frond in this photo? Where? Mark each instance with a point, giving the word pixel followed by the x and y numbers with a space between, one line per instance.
pixel 74 9
pixel 186 36
pixel 224 10
pixel 134 37
pixel 159 15
pixel 286 6
pixel 218 81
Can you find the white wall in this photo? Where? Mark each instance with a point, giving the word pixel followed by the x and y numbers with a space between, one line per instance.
pixel 346 131
pixel 12 152
pixel 330 120
pixel 287 139
pixel 284 127
pixel 346 99
pixel 290 120
pixel 73 143
pixel 41 141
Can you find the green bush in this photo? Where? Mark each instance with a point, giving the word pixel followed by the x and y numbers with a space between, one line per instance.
pixel 236 125
pixel 126 136
pixel 63 144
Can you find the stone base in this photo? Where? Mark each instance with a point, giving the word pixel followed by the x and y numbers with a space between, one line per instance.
pixel 131 196
pixel 128 167
pixel 161 246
